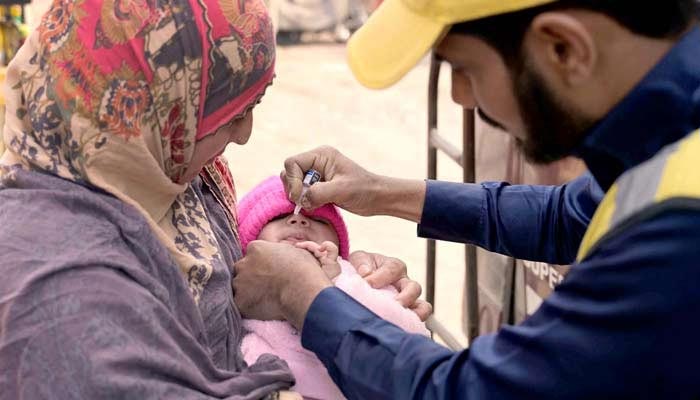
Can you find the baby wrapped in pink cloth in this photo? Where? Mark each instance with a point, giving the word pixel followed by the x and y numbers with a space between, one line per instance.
pixel 266 214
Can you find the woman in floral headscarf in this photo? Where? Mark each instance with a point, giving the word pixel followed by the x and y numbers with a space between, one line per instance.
pixel 102 210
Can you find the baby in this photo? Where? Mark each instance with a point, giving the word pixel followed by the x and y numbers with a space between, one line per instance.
pixel 266 214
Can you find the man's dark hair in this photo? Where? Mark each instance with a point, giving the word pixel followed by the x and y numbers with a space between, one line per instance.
pixel 653 18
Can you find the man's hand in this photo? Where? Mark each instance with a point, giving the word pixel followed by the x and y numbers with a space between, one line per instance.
pixel 351 187
pixel 344 183
pixel 380 271
pixel 276 281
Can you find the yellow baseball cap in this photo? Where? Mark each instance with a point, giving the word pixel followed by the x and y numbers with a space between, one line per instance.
pixel 400 32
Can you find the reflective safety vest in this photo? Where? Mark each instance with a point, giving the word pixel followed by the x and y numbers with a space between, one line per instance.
pixel 669 180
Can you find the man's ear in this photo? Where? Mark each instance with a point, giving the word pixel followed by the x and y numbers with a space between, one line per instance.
pixel 562 46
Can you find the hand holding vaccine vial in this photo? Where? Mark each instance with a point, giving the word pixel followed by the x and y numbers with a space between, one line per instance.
pixel 312 176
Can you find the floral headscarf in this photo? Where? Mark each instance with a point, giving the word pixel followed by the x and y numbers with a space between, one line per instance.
pixel 113 94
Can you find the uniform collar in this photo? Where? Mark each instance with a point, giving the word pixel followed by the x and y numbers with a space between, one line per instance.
pixel 663 108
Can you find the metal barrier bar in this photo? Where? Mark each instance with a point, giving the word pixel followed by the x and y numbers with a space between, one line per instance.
pixel 440 143
pixel 471 288
pixel 466 159
pixel 437 328
pixel 432 171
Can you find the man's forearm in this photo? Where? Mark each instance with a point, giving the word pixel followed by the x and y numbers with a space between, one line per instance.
pixel 295 301
pixel 538 223
pixel 402 198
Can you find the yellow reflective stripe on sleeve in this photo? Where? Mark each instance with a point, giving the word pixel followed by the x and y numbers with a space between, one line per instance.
pixel 674 172
pixel 681 176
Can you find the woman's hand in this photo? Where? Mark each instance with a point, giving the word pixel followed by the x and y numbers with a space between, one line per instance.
pixel 326 253
pixel 379 271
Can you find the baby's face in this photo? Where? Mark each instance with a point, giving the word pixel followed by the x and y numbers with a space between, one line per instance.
pixel 292 229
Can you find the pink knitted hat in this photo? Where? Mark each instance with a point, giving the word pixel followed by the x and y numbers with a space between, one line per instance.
pixel 268 201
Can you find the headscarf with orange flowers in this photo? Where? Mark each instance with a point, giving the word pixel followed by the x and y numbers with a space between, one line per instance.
pixel 113 94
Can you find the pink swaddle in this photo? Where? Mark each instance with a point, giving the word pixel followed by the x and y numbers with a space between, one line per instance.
pixel 280 337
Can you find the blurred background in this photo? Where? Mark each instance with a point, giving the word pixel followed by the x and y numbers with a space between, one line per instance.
pixel 298 21
pixel 315 101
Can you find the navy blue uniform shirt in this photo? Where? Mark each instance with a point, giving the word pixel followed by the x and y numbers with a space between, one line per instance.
pixel 624 323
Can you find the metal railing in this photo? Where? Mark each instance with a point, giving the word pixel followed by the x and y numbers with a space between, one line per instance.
pixel 466 158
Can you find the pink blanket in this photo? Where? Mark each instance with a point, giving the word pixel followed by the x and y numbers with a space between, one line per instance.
pixel 280 338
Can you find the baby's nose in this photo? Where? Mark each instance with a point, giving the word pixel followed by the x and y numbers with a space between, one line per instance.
pixel 298 220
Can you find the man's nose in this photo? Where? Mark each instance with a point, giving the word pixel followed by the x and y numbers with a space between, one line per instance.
pixel 462 90
pixel 298 219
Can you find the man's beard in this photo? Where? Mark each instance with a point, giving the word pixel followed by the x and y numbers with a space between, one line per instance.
pixel 552 130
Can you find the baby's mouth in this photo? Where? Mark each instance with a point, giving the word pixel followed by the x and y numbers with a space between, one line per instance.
pixel 292 239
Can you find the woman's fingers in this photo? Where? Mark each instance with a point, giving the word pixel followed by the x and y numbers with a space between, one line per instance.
pixel 380 271
pixel 423 309
pixel 409 292
pixel 389 270
pixel 363 262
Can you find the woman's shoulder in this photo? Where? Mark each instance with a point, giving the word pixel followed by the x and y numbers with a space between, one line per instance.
pixel 56 235
pixel 49 222
pixel 46 211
